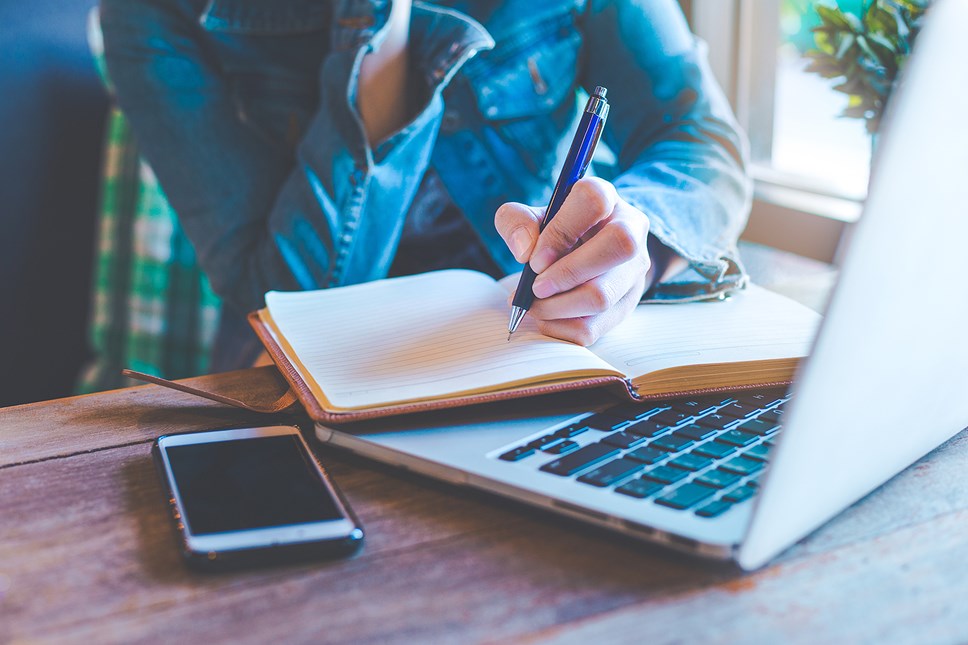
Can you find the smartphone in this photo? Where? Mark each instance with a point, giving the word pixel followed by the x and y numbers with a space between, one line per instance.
pixel 252 496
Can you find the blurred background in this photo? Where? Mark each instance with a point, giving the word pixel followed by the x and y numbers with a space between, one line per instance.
pixel 52 117
pixel 810 165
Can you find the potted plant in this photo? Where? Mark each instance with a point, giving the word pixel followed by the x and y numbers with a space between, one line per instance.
pixel 865 52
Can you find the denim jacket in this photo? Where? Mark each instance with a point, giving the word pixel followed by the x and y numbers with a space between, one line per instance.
pixel 246 111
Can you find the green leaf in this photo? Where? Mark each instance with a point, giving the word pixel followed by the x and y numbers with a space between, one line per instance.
pixel 846 44
pixel 854 22
pixel 832 16
pixel 865 52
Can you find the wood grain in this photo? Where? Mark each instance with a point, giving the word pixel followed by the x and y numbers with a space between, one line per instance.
pixel 435 563
pixel 88 554
pixel 906 587
pixel 83 423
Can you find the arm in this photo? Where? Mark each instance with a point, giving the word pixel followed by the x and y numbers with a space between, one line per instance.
pixel 680 198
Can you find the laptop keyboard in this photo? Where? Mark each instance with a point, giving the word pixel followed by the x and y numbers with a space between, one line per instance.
pixel 701 455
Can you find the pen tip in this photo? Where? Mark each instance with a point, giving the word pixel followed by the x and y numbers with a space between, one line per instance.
pixel 509 336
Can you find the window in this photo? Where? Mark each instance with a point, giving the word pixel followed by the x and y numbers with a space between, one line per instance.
pixel 810 165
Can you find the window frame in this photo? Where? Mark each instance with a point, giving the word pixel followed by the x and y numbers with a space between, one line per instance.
pixel 789 212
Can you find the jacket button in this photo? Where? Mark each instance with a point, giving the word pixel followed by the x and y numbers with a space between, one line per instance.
pixel 449 122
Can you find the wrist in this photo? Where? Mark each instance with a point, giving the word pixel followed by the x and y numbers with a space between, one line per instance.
pixel 665 263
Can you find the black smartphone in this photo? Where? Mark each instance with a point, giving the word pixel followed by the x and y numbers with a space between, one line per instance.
pixel 252 496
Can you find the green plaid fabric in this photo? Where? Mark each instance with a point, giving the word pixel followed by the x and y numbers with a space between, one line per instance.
pixel 152 308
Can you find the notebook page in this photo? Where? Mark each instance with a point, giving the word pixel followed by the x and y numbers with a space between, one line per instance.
pixel 755 324
pixel 417 337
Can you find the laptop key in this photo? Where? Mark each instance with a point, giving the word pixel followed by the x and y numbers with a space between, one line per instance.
pixel 759 426
pixel 517 454
pixel 624 440
pixel 773 416
pixel 572 430
pixel 696 431
pixel 716 421
pixel 714 509
pixel 561 448
pixel 695 408
pixel 671 443
pixel 604 422
pixel 640 488
pixel 741 494
pixel 671 417
pixel 633 410
pixel 580 459
pixel 685 496
pixel 647 428
pixel 546 440
pixel 760 452
pixel 717 479
pixel 647 455
pixel 666 475
pixel 738 410
pixel 757 400
pixel 609 473
pixel 701 406
pixel 690 462
pixel 742 466
pixel 737 438
pixel 714 450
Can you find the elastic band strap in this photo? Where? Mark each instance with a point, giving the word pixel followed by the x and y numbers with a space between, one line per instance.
pixel 287 400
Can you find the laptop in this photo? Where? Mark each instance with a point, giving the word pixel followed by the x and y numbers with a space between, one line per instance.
pixel 743 476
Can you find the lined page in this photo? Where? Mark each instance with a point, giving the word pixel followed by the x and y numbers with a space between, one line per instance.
pixel 755 324
pixel 419 337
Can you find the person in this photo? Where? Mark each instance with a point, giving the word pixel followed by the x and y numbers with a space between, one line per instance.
pixel 311 144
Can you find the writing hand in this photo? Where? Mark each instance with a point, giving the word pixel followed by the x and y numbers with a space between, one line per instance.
pixel 592 259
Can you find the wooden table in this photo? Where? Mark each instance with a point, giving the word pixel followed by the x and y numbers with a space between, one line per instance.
pixel 87 554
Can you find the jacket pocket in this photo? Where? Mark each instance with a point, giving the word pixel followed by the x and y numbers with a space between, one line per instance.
pixel 525 92
pixel 266 16
pixel 530 71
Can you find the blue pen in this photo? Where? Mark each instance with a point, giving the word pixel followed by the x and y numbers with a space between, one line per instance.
pixel 580 153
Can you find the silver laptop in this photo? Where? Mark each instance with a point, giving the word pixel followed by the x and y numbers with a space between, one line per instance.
pixel 743 477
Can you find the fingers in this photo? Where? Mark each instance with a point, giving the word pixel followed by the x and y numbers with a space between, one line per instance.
pixel 585 331
pixel 594 297
pixel 589 202
pixel 592 260
pixel 519 226
pixel 622 239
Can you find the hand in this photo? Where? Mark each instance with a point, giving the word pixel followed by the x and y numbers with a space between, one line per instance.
pixel 592 259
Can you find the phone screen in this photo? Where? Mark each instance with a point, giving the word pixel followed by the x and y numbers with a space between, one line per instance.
pixel 249 484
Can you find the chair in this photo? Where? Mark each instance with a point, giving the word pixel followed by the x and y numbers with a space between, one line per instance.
pixel 153 310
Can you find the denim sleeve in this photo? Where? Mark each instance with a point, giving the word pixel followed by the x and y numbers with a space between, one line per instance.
pixel 262 217
pixel 680 154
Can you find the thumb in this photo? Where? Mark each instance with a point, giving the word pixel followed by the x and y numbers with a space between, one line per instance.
pixel 519 226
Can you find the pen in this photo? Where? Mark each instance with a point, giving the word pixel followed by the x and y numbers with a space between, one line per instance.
pixel 576 163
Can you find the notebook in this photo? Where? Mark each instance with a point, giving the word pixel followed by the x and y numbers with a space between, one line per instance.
pixel 439 340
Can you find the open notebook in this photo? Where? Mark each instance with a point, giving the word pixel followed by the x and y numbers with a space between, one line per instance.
pixel 440 340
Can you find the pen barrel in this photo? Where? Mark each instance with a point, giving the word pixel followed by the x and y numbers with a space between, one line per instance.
pixel 576 163
pixel 523 296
